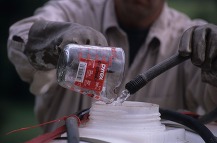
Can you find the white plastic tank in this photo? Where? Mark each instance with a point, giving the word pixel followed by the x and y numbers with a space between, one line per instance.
pixel 133 122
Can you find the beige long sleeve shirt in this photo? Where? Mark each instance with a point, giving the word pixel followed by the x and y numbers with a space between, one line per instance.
pixel 177 88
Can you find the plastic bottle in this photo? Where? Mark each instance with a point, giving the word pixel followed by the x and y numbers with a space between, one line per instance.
pixel 91 70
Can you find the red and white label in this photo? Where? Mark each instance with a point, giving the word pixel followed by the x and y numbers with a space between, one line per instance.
pixel 91 74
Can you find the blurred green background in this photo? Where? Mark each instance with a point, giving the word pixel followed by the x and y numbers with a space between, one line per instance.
pixel 17 103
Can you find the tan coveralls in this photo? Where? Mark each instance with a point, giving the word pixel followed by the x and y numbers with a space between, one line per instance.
pixel 178 88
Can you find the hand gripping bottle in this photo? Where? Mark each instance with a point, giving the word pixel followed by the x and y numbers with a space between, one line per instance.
pixel 91 70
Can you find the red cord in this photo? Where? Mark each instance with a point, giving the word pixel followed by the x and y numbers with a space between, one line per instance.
pixel 49 122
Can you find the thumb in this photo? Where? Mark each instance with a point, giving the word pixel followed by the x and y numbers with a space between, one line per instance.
pixel 185 44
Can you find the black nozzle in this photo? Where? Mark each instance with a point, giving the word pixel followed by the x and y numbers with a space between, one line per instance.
pixel 135 84
pixel 141 80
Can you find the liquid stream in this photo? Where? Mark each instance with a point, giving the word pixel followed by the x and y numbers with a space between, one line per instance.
pixel 123 97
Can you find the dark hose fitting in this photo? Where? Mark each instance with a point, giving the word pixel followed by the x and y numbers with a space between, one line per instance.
pixel 142 79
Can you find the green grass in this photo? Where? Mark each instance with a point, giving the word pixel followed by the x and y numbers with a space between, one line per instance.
pixel 17 115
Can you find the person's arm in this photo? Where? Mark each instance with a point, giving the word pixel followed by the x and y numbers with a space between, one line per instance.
pixel 52 26
pixel 35 43
pixel 18 37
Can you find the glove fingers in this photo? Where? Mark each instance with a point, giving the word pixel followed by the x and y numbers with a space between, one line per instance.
pixel 101 40
pixel 185 47
pixel 199 46
pixel 87 37
pixel 73 40
pixel 211 56
pixel 98 40
pixel 83 41
pixel 209 77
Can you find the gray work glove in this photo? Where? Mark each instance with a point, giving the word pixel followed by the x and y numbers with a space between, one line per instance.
pixel 200 42
pixel 47 39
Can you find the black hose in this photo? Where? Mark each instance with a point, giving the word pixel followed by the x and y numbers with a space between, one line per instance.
pixel 189 122
pixel 142 79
